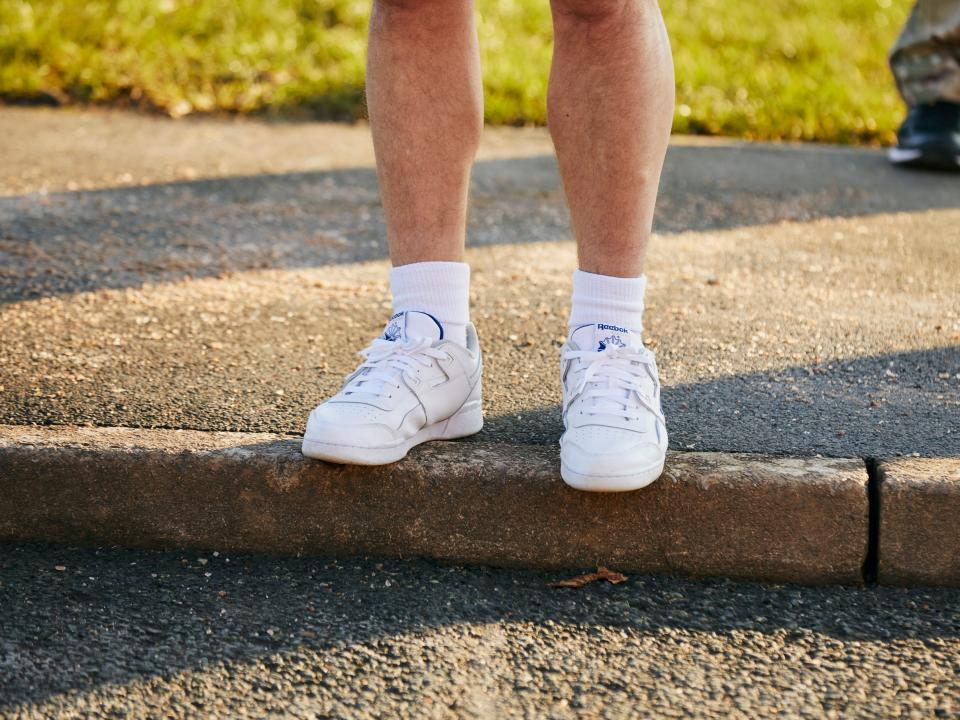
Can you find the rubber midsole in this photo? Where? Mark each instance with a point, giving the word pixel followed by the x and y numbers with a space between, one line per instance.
pixel 611 483
pixel 468 420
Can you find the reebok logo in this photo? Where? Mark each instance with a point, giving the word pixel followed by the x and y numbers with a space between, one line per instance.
pixel 393 331
pixel 601 326
pixel 612 340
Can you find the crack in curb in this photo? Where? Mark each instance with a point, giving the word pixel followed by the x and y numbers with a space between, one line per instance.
pixel 871 562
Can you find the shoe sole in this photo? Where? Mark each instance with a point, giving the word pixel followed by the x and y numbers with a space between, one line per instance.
pixel 611 483
pixel 917 158
pixel 468 420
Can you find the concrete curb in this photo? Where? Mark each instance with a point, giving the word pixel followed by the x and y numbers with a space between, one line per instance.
pixel 776 519
pixel 919 529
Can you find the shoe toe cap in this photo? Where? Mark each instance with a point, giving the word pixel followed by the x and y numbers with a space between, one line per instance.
pixel 354 426
pixel 597 450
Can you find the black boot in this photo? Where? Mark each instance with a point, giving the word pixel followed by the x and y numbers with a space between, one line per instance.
pixel 929 137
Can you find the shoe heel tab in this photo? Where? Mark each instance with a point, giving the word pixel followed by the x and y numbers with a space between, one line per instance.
pixel 473 339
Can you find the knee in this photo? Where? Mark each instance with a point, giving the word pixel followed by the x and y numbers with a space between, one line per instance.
pixel 597 12
pixel 410 5
pixel 407 16
pixel 589 11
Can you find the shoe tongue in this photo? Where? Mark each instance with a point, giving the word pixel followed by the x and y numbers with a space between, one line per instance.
pixel 413 325
pixel 600 336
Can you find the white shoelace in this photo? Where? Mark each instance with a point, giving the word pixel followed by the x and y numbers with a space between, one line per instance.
pixel 615 381
pixel 386 360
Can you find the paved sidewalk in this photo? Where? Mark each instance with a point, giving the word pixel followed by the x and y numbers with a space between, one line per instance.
pixel 802 300
pixel 203 275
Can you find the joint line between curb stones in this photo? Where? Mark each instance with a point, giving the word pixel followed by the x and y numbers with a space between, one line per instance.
pixel 871 563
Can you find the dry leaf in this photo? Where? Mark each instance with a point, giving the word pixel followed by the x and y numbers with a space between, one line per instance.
pixel 579 581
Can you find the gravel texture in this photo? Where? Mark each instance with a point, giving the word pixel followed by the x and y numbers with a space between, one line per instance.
pixel 120 633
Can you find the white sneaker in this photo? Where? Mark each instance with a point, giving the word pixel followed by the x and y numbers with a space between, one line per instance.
pixel 413 386
pixel 615 438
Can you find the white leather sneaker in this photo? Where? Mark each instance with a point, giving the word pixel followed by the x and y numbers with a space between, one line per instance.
pixel 413 386
pixel 615 438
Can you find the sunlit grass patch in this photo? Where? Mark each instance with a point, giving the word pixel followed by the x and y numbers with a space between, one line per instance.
pixel 812 70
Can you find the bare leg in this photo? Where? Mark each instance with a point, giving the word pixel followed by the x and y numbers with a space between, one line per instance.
pixel 426 112
pixel 610 107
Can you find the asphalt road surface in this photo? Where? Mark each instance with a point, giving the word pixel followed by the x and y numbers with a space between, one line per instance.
pixel 113 633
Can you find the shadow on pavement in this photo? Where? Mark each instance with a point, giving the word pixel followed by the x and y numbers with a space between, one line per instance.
pixel 873 406
pixel 878 406
pixel 111 617
pixel 122 237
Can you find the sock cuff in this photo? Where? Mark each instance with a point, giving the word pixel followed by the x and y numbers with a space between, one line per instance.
pixel 616 289
pixel 441 289
pixel 605 298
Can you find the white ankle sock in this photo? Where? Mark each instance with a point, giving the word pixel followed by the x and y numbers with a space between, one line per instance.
pixel 607 299
pixel 441 289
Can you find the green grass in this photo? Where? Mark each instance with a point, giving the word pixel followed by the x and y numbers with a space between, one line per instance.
pixel 796 69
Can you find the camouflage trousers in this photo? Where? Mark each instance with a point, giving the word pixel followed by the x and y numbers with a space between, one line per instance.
pixel 926 57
